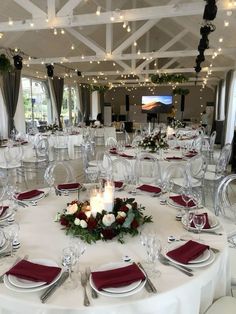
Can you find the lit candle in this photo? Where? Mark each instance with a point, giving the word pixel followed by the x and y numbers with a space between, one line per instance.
pixel 96 202
pixel 108 196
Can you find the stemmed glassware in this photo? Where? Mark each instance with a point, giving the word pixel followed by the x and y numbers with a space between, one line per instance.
pixel 92 174
pixel 199 221
pixel 68 261
pixel 79 248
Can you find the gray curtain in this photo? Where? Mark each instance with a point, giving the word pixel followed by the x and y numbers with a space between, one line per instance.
pixel 102 100
pixel 10 90
pixel 85 101
pixel 47 92
pixel 58 89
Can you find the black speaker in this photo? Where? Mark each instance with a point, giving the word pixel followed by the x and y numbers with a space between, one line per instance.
pixel 127 102
pixel 182 102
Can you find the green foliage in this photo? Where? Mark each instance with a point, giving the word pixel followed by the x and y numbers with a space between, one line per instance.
pixel 181 91
pixel 5 64
pixel 168 78
pixel 99 88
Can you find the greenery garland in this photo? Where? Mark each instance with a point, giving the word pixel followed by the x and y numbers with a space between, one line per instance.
pixel 168 78
pixel 181 91
pixel 101 88
pixel 5 64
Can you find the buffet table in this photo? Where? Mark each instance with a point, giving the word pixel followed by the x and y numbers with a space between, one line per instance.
pixel 42 237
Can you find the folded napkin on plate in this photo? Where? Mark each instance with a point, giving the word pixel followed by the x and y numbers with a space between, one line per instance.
pixel 125 155
pixel 177 147
pixel 128 145
pixel 68 186
pixel 28 194
pixel 34 272
pixel 187 252
pixel 149 188
pixel 118 277
pixel 118 184
pixel 179 200
pixel 3 210
pixel 113 151
pixel 190 155
pixel 174 158
pixel 207 224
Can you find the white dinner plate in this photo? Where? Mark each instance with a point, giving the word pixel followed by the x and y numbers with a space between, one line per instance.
pixel 20 285
pixel 71 190
pixel 213 221
pixel 35 198
pixel 202 258
pixel 4 246
pixel 174 204
pixel 197 263
pixel 124 291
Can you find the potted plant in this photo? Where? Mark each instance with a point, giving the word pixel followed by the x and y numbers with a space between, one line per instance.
pixel 5 64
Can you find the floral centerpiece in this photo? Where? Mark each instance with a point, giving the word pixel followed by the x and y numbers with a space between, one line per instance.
pixel 53 127
pixel 125 218
pixel 153 142
pixel 175 124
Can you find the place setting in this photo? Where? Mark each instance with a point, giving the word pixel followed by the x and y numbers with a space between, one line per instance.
pixel 30 197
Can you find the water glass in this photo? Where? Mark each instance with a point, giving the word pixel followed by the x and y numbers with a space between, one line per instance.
pixel 199 221
pixel 68 261
pixel 11 234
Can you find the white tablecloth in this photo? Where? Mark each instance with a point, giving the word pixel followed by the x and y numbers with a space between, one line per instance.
pixel 41 237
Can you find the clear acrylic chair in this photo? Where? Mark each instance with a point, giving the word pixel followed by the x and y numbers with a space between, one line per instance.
pixel 176 175
pixel 147 169
pixel 32 168
pixel 225 304
pixel 60 147
pixel 136 140
pixel 121 170
pixel 59 172
pixel 111 142
pixel 104 164
pixel 225 153
pixel 225 209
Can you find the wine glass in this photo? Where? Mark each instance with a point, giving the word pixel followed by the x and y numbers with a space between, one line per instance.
pixel 199 221
pixel 68 261
pixel 92 174
pixel 79 248
pixel 153 249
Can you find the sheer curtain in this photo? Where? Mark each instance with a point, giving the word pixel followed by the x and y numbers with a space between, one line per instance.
pixel 56 89
pixel 20 113
pixel 3 118
pixel 10 85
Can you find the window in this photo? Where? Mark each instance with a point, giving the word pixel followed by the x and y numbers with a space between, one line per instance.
pixel 37 103
pixel 69 109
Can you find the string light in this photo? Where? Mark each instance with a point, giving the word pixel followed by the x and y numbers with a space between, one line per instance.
pixel 226 23
pixel 135 43
pixel 62 31
pixel 220 40
pixel 128 29
pixel 55 31
pixel 98 12
pixel 72 47
pixel 10 22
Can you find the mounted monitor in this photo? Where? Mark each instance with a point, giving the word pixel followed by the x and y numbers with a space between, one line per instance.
pixel 156 104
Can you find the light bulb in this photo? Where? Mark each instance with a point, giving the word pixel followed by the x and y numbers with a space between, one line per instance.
pixel 128 29
pixel 98 12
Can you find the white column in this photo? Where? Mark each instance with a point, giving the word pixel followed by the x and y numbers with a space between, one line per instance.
pixel 95 105
pixel 230 119
pixel 19 118
pixel 222 102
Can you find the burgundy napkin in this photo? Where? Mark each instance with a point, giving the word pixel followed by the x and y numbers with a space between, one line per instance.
pixel 118 184
pixel 34 272
pixel 3 210
pixel 190 155
pixel 68 186
pixel 24 142
pixel 207 224
pixel 113 151
pixel 118 277
pixel 149 188
pixel 128 145
pixel 125 155
pixel 177 147
pixel 28 194
pixel 187 252
pixel 174 158
pixel 179 200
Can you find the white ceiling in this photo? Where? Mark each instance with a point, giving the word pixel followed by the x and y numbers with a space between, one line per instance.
pixel 166 32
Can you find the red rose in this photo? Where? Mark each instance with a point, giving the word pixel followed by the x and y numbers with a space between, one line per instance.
pixel 134 224
pixel 108 234
pixel 81 215
pixel 120 220
pixel 135 205
pixel 124 209
pixel 92 223
pixel 64 221
pixel 74 202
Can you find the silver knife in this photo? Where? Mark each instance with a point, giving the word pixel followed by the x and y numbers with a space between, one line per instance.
pixel 44 297
pixel 149 282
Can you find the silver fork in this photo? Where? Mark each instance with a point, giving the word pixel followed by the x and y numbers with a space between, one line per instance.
pixel 184 269
pixel 93 292
pixel 84 284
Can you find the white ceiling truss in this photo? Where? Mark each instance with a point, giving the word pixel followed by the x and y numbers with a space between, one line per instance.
pixel 122 52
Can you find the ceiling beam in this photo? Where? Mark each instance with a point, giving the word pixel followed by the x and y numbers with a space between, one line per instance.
pixel 67 9
pixel 165 47
pixel 123 65
pixel 31 8
pixel 169 63
pixel 51 13
pixel 139 14
pixel 88 42
pixel 157 54
pixel 191 79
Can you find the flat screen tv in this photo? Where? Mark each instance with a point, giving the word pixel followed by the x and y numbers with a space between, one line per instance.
pixel 156 104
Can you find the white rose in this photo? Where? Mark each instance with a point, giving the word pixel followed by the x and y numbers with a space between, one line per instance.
pixel 83 224
pixel 71 209
pixel 121 214
pixel 129 206
pixel 77 221
pixel 108 219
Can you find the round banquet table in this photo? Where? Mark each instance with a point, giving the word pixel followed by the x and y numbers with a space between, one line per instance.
pixel 42 237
